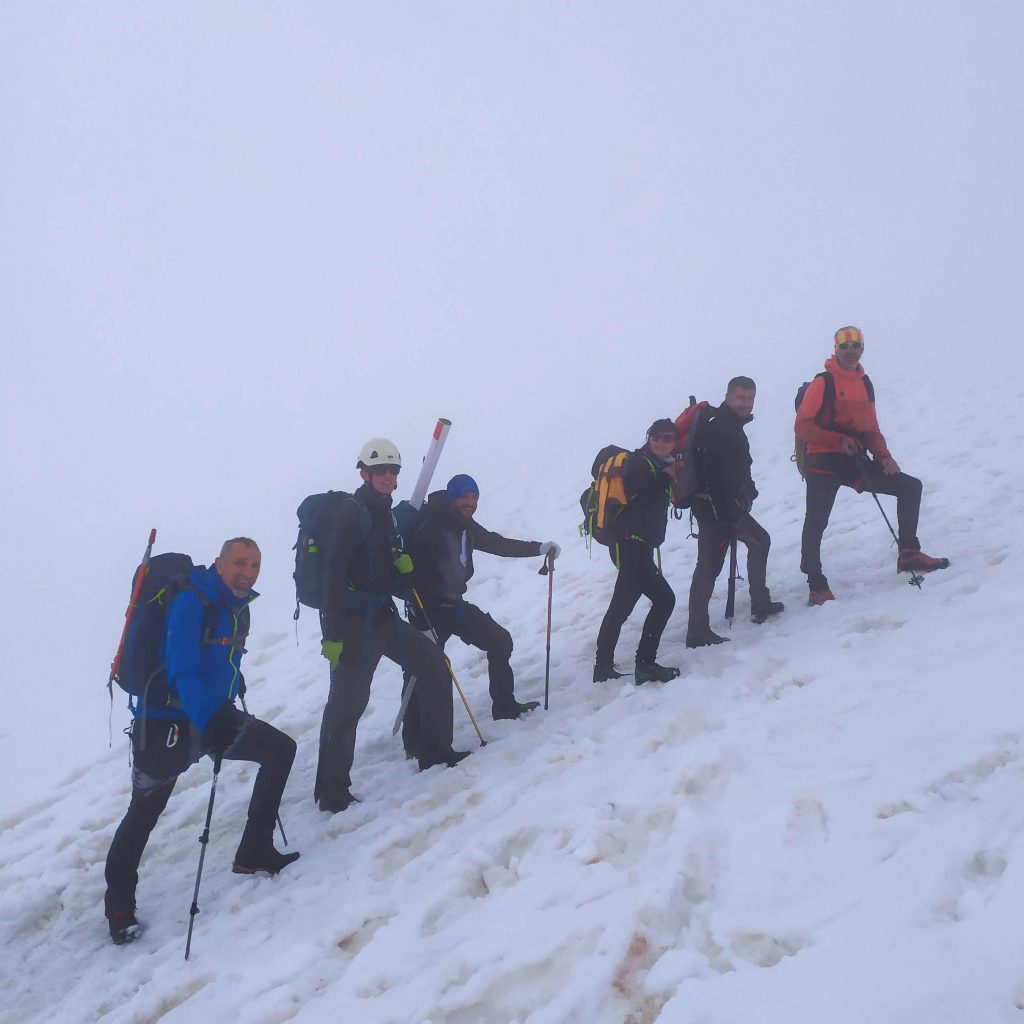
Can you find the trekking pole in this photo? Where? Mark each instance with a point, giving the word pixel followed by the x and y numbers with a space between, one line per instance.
pixel 916 579
pixel 115 665
pixel 203 840
pixel 437 640
pixel 730 600
pixel 280 825
pixel 548 569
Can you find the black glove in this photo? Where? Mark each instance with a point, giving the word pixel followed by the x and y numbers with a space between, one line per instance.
pixel 223 728
pixel 241 685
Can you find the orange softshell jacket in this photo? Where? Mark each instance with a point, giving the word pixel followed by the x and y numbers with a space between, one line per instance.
pixel 853 411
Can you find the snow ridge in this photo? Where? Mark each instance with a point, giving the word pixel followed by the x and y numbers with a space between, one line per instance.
pixel 820 819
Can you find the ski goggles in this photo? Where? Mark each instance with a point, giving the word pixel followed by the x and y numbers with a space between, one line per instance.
pixel 844 345
pixel 388 469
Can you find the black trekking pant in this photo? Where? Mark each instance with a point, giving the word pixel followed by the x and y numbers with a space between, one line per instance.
pixel 161 752
pixel 366 641
pixel 476 628
pixel 862 475
pixel 638 575
pixel 713 541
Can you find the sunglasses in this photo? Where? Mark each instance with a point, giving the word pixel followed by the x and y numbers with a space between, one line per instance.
pixel 844 345
pixel 664 437
pixel 388 470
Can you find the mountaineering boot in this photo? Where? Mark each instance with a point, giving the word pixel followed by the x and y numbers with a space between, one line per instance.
pixel 510 712
pixel 256 858
pixel 705 638
pixel 124 928
pixel 652 672
pixel 915 560
pixel 818 590
pixel 602 673
pixel 763 610
pixel 448 757
pixel 343 803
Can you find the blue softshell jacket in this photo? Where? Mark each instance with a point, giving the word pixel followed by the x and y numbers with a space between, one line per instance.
pixel 204 677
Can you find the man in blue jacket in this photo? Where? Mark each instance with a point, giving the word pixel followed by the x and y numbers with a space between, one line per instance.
pixel 203 646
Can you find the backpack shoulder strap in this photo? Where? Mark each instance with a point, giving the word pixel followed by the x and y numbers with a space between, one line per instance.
pixel 365 522
pixel 827 410
pixel 869 388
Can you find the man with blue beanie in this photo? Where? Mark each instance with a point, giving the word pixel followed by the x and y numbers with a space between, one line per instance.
pixel 442 555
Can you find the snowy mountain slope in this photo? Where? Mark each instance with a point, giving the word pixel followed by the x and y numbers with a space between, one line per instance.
pixel 818 821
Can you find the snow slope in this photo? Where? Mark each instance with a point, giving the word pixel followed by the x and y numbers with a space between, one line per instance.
pixel 819 821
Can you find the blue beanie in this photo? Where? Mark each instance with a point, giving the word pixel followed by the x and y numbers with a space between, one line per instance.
pixel 461 484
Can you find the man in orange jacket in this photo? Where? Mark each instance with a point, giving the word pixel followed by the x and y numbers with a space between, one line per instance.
pixel 836 420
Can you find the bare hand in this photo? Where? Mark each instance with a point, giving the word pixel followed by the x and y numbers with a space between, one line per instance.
pixel 890 467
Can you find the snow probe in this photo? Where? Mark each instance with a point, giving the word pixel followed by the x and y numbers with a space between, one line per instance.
pixel 548 569
pixel 419 492
pixel 203 840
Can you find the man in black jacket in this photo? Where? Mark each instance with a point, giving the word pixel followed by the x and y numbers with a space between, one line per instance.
pixel 365 568
pixel 442 554
pixel 722 510
pixel 641 529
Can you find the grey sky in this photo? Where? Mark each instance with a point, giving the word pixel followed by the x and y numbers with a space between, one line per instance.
pixel 241 238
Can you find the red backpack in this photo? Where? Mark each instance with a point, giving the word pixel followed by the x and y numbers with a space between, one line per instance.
pixel 688 422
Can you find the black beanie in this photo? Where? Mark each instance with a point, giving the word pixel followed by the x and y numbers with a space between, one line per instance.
pixel 665 426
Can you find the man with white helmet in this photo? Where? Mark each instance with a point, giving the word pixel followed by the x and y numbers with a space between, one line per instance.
pixel 365 569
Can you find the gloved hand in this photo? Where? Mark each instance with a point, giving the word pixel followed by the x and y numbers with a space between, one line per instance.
pixel 726 530
pixel 403 563
pixel 241 685
pixel 331 650
pixel 223 728
pixel 550 545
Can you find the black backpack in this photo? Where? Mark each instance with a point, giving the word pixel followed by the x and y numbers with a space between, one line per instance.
pixel 315 513
pixel 141 672
pixel 826 414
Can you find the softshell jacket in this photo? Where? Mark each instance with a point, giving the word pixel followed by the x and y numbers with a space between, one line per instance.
pixel 442 550
pixel 853 412
pixel 204 675
pixel 648 489
pixel 360 573
pixel 723 459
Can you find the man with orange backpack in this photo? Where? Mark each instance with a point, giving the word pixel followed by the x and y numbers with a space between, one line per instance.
pixel 836 421
pixel 638 530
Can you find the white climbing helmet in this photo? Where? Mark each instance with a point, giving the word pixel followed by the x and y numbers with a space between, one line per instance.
pixel 378 451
